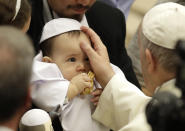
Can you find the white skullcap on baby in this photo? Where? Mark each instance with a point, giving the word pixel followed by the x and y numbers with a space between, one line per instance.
pixel 58 26
pixel 36 120
pixel 164 24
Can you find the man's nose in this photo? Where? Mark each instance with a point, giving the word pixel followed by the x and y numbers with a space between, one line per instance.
pixel 83 2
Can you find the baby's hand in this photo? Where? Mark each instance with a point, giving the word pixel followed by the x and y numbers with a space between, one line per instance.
pixel 77 85
pixel 87 91
pixel 96 95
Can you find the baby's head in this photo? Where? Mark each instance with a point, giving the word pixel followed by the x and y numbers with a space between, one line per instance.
pixel 60 44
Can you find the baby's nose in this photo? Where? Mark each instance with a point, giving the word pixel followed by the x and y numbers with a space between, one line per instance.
pixel 81 67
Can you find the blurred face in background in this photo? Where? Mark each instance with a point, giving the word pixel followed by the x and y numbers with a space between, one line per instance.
pixel 74 9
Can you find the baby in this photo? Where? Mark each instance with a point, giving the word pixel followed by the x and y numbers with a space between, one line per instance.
pixel 60 75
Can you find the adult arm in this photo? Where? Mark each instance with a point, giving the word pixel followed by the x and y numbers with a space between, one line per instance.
pixel 120 101
pixel 109 24
pixel 98 57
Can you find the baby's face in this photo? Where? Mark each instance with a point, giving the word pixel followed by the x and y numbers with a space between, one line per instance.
pixel 68 55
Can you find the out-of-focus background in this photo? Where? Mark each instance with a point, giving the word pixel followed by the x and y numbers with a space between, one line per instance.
pixel 138 9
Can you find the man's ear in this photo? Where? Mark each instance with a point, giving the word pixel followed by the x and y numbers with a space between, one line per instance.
pixel 150 60
pixel 47 59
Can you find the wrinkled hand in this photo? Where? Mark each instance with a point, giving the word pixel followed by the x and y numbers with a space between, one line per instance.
pixel 77 85
pixel 96 95
pixel 98 57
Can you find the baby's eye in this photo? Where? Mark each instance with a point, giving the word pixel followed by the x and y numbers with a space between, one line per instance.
pixel 72 59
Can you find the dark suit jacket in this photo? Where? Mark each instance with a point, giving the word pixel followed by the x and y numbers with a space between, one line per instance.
pixel 106 21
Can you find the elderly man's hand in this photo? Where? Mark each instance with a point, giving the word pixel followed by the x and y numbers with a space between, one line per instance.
pixel 98 57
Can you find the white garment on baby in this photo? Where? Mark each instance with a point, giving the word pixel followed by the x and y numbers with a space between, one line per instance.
pixel 50 89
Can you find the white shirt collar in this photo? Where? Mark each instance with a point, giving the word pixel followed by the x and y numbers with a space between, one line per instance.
pixel 84 21
pixel 169 86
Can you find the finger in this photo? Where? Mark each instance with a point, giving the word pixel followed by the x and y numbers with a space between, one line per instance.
pixel 85 77
pixel 81 75
pixel 93 36
pixel 97 92
pixel 87 84
pixel 96 103
pixel 89 51
pixel 96 41
pixel 99 47
pixel 95 99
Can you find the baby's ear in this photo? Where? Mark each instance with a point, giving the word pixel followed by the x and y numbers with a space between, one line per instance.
pixel 47 59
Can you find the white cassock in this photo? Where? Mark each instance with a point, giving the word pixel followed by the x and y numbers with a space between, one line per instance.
pixel 122 105
pixel 50 89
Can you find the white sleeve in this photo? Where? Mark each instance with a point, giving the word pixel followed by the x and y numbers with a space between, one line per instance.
pixel 120 102
pixel 49 88
pixel 116 70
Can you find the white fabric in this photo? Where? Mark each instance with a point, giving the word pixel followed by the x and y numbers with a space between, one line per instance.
pixel 35 117
pixel 164 24
pixel 17 8
pixel 35 120
pixel 50 89
pixel 119 103
pixel 59 26
pixel 170 87
pixel 139 123
pixel 44 76
pixel 3 128
pixel 122 105
pixel 84 21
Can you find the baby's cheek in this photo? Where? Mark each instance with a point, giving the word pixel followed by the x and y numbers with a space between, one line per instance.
pixel 68 74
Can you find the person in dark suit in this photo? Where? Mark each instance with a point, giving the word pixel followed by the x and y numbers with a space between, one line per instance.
pixel 106 21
